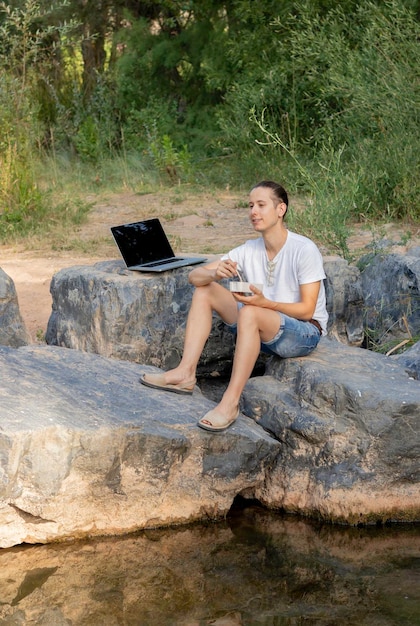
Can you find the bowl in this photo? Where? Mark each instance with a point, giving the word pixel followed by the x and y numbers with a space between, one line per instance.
pixel 243 288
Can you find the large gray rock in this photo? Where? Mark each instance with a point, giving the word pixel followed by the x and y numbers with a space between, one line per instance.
pixel 391 288
pixel 349 422
pixel 107 309
pixel 86 450
pixel 410 360
pixel 13 331
pixel 344 296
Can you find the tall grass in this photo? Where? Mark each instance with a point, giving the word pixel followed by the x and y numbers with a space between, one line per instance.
pixel 21 202
pixel 340 104
pixel 23 206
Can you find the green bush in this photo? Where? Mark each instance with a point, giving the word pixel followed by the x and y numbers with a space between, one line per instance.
pixel 323 96
pixel 22 204
pixel 342 82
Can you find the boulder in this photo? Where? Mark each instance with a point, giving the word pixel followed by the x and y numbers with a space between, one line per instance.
pixel 410 360
pixel 13 331
pixel 349 422
pixel 345 304
pixel 107 309
pixel 391 288
pixel 112 311
pixel 86 450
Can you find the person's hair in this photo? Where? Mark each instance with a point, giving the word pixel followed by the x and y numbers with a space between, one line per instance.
pixel 278 191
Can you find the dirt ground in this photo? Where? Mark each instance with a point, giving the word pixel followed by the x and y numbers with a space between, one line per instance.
pixel 205 224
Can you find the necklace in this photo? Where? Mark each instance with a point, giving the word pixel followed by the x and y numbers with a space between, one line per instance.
pixel 269 274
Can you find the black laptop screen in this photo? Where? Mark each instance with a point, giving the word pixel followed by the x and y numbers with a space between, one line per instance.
pixel 142 242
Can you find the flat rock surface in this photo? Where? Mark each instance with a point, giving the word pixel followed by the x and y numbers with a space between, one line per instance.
pixel 85 450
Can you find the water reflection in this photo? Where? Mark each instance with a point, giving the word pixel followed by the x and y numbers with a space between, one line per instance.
pixel 256 568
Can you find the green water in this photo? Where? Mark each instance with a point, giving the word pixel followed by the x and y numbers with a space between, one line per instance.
pixel 255 568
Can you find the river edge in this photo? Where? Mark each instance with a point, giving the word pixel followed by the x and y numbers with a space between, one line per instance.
pixel 255 567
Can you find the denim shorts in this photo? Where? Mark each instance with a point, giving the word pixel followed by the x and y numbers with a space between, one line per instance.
pixel 294 338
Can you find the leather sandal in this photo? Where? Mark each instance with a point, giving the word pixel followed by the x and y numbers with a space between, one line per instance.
pixel 217 421
pixel 157 381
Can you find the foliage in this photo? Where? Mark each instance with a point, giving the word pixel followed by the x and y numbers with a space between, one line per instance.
pixel 19 195
pixel 22 57
pixel 344 89
pixel 331 194
pixel 174 163
pixel 322 95
pixel 88 129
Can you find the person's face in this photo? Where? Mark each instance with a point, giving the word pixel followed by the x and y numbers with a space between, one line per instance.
pixel 264 210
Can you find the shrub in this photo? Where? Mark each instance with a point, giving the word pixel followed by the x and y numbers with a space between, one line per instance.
pixel 342 83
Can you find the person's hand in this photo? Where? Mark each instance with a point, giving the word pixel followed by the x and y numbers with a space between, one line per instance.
pixel 226 269
pixel 257 298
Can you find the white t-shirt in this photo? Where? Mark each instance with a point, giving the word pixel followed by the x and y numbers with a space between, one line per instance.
pixel 299 262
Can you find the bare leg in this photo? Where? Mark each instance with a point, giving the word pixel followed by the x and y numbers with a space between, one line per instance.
pixel 254 324
pixel 206 299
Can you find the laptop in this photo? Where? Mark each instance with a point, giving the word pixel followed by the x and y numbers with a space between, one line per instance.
pixel 144 247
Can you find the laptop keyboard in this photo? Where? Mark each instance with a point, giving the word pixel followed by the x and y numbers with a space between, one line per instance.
pixel 164 262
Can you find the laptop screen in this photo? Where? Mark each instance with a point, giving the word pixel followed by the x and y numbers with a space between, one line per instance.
pixel 142 242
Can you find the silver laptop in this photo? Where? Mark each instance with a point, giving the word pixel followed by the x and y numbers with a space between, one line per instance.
pixel 144 247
